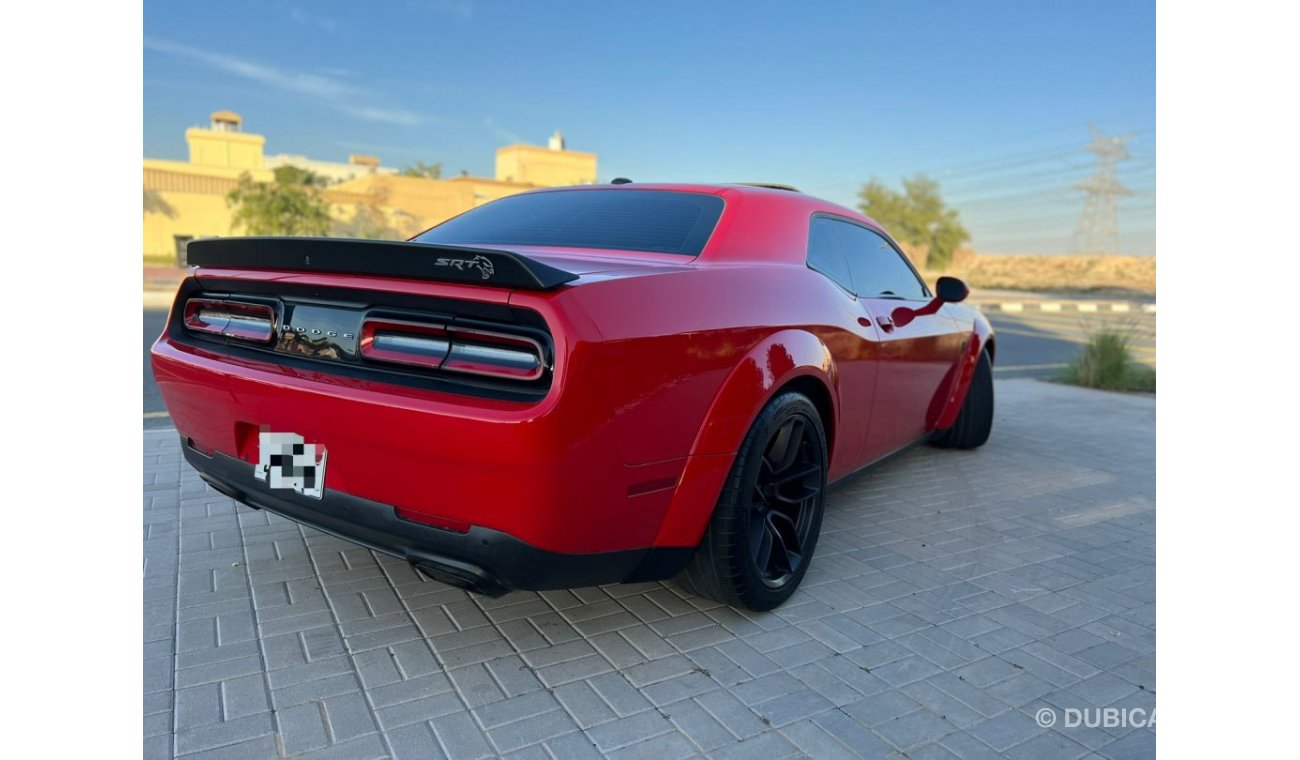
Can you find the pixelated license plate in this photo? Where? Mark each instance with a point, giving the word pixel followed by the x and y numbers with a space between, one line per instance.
pixel 285 460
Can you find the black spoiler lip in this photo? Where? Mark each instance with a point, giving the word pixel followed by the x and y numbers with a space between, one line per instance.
pixel 383 258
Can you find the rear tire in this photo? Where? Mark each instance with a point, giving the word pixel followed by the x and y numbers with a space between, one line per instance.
pixel 764 528
pixel 975 420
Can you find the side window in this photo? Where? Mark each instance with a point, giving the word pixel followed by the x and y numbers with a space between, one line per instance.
pixel 877 268
pixel 825 254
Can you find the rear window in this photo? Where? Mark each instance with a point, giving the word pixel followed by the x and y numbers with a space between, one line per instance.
pixel 658 221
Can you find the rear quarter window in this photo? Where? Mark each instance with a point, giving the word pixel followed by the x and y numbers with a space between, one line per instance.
pixel 825 254
pixel 657 221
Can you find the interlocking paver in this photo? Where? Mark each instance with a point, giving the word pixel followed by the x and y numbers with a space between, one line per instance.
pixel 418 710
pixel 1020 688
pixel 733 714
pixel 953 595
pixel 584 705
pixel 475 685
pixel 797 705
pixel 302 728
pixel 460 736
pixel 626 731
pixel 681 687
pixel 198 706
pixel 944 704
pixel 915 728
pixel 701 728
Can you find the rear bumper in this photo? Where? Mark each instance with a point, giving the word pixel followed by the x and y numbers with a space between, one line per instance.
pixel 546 473
pixel 481 559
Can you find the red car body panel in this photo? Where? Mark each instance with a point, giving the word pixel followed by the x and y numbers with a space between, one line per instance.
pixel 661 364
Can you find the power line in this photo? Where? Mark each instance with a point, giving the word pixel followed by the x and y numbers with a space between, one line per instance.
pixel 1011 160
pixel 968 168
pixel 970 185
pixel 1056 192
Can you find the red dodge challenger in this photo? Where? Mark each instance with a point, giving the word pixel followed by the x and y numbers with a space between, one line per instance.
pixel 576 386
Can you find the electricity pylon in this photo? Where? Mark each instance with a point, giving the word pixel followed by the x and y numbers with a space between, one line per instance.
pixel 1098 231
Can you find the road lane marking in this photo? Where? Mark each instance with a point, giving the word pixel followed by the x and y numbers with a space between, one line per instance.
pixel 1078 338
pixel 1026 367
pixel 155 415
pixel 1055 336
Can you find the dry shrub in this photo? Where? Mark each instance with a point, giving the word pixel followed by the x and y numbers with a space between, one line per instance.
pixel 1106 363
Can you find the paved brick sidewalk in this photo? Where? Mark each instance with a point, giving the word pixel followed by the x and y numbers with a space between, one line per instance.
pixel 953 595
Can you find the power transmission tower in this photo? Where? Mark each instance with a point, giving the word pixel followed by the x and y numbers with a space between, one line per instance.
pixel 1098 231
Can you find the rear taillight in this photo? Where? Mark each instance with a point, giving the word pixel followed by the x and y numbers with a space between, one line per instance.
pixel 414 343
pixel 253 322
pixel 482 352
pixel 453 348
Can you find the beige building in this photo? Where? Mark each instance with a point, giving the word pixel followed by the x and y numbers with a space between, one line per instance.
pixel 332 171
pixel 185 200
pixel 550 166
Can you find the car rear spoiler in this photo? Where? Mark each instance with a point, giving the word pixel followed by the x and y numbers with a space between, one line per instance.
pixel 384 258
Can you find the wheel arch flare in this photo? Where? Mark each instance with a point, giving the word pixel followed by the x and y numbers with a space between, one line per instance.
pixel 788 359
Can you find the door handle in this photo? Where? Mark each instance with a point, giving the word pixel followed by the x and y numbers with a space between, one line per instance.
pixel 885 323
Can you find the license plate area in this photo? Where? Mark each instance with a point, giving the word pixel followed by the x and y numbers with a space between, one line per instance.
pixel 285 461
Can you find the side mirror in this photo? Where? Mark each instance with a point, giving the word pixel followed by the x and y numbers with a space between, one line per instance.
pixel 951 290
pixel 947 290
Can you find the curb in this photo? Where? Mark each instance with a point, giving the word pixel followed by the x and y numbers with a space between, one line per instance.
pixel 1075 307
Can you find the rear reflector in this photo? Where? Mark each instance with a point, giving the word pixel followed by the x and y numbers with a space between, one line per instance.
pixel 442 523
pixel 452 348
pixel 232 319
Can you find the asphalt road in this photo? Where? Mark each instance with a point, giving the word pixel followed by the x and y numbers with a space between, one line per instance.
pixel 1030 344
pixel 1037 344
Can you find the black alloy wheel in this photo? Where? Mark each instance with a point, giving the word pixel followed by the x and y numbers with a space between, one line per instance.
pixel 790 477
pixel 763 532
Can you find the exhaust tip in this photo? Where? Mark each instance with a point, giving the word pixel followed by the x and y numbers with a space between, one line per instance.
pixel 461 576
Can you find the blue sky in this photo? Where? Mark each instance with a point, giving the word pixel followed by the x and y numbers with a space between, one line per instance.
pixel 993 99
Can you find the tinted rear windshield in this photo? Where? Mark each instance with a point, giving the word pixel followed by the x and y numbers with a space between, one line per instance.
pixel 659 221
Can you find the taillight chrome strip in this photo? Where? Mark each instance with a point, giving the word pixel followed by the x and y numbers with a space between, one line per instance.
pixel 401 342
pixel 452 348
pixel 241 320
pixel 494 354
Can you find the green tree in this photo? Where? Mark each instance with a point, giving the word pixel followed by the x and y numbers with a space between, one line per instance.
pixel 370 222
pixel 917 216
pixel 421 169
pixel 291 204
pixel 154 203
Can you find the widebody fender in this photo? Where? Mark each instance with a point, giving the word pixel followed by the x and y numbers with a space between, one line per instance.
pixel 945 416
pixel 775 362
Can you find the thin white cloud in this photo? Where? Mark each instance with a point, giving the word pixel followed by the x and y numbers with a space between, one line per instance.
pixel 388 116
pixel 301 16
pixel 500 132
pixel 329 90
